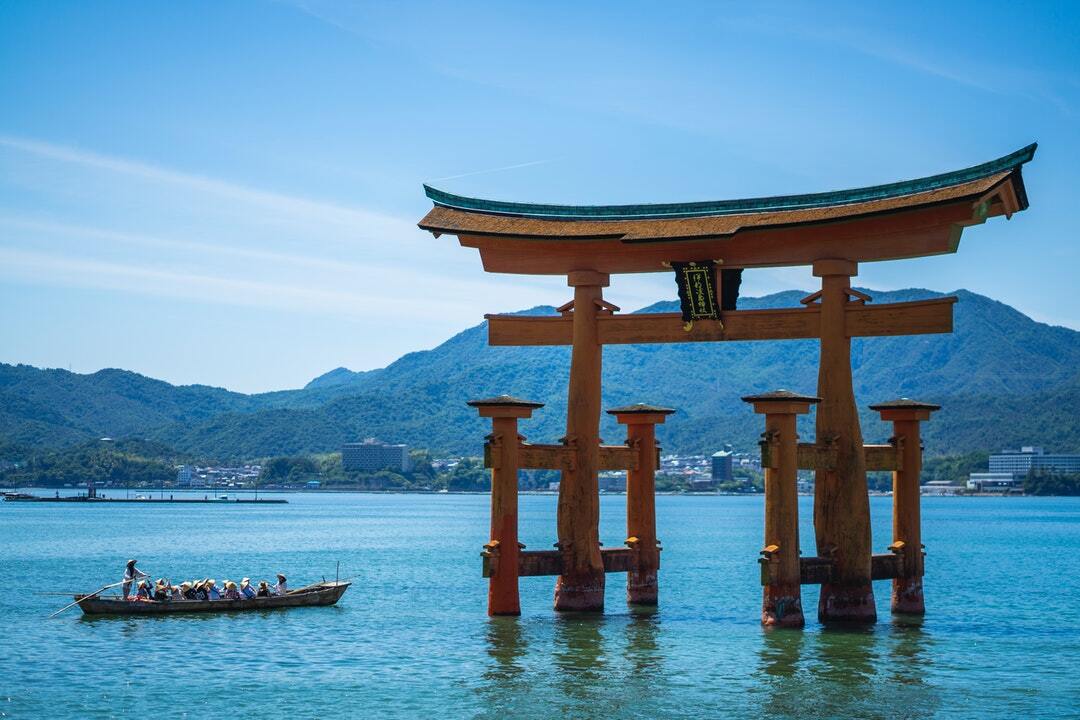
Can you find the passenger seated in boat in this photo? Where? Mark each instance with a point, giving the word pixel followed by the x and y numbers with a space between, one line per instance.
pixel 264 589
pixel 161 590
pixel 280 588
pixel 177 592
pixel 231 593
pixel 187 590
pixel 200 590
pixel 211 590
pixel 245 588
pixel 143 592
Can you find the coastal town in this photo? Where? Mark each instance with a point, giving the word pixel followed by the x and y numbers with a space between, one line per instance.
pixel 370 465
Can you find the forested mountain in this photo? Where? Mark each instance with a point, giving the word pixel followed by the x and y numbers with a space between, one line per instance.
pixel 1003 379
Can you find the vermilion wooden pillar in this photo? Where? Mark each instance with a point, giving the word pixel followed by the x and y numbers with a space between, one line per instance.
pixel 905 415
pixel 841 501
pixel 781 603
pixel 504 411
pixel 641 421
pixel 581 584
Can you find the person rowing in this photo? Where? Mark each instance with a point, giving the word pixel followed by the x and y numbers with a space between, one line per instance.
pixel 131 574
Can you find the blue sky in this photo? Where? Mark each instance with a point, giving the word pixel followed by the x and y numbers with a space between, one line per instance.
pixel 226 192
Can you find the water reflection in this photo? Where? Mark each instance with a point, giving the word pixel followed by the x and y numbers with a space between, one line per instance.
pixel 780 661
pixel 505 687
pixel 579 654
pixel 642 650
pixel 868 672
pixel 506 645
pixel 781 649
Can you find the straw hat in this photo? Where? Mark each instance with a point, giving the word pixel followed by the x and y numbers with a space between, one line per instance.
pixel 262 583
pixel 281 577
pixel 185 586
pixel 230 585
pixel 211 582
pixel 131 562
pixel 245 581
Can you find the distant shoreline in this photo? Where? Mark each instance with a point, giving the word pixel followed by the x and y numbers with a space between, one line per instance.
pixel 156 495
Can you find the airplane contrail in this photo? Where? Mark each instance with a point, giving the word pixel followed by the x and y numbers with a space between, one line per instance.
pixel 498 169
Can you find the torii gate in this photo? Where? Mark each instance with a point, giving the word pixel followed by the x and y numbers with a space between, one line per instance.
pixel 831 232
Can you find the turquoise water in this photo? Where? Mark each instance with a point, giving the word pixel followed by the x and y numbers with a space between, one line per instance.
pixel 1001 638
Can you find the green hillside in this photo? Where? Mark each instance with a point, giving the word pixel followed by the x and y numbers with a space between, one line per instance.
pixel 1003 379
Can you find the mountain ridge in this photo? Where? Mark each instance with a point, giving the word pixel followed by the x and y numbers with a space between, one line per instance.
pixel 1002 377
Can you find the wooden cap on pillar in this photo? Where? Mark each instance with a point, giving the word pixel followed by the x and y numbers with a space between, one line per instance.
pixel 904 409
pixel 641 414
pixel 505 406
pixel 781 402
pixel 835 267
pixel 587 277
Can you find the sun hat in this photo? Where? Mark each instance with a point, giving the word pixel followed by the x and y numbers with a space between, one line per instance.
pixel 245 581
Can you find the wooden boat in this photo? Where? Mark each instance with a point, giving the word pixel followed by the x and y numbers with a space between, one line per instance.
pixel 318 594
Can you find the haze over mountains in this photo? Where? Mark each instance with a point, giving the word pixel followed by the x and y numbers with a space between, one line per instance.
pixel 1003 379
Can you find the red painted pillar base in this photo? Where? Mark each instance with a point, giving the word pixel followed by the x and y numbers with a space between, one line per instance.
pixel 642 588
pixel 579 593
pixel 907 596
pixel 844 603
pixel 781 606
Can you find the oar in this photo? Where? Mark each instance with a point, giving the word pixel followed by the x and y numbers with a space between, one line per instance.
pixel 87 597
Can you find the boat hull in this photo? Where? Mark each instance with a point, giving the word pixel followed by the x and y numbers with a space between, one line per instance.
pixel 321 594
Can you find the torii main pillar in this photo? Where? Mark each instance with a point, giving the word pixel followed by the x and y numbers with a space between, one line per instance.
pixel 841 501
pixel 581 584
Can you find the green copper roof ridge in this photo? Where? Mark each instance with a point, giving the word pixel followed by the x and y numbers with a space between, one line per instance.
pixel 1012 161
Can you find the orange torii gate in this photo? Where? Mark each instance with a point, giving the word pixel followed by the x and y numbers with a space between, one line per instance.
pixel 831 232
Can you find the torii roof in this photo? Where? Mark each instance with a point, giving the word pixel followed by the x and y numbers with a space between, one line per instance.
pixel 903 219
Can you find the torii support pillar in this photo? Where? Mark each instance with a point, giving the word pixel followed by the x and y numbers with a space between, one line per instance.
pixel 905 415
pixel 581 584
pixel 841 500
pixel 781 604
pixel 503 548
pixel 641 422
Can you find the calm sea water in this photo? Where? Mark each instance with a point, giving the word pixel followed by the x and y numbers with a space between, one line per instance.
pixel 1001 638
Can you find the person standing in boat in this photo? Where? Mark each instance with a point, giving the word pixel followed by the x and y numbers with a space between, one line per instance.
pixel 280 588
pixel 131 574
